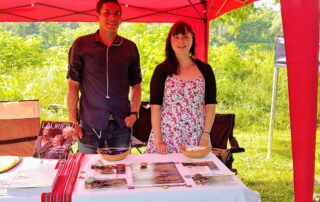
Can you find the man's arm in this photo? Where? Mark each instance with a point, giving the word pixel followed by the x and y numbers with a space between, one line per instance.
pixel 135 97
pixel 72 99
pixel 72 105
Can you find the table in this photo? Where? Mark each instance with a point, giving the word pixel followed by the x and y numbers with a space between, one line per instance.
pixel 226 192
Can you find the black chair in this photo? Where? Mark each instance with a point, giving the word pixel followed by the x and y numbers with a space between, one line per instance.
pixel 221 133
pixel 142 127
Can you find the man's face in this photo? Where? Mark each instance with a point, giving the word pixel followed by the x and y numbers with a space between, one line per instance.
pixel 109 17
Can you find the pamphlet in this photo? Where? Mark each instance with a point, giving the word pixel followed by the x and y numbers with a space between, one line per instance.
pixel 110 169
pixel 54 140
pixel 212 180
pixel 106 183
pixel 35 180
pixel 205 168
pixel 100 176
pixel 208 164
pixel 156 174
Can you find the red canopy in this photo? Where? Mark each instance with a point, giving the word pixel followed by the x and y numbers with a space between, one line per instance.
pixel 134 11
pixel 301 32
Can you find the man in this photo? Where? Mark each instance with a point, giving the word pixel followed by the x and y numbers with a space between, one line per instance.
pixel 104 67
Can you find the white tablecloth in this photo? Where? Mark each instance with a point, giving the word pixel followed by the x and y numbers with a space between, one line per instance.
pixel 221 192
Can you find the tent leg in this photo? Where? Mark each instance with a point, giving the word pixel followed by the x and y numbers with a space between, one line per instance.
pixel 273 107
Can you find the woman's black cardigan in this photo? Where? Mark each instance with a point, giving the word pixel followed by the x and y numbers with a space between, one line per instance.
pixel 160 74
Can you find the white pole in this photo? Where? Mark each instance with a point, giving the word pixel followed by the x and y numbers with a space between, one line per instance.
pixel 273 107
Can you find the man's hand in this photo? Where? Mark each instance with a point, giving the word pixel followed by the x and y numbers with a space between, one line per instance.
pixel 77 132
pixel 130 120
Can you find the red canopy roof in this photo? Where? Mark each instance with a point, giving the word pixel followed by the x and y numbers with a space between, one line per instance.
pixel 133 10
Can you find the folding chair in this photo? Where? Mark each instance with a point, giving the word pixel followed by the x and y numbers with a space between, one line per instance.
pixel 221 132
pixel 142 127
pixel 19 127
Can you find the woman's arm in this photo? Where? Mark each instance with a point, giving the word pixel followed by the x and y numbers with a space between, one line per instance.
pixel 208 123
pixel 156 129
pixel 156 97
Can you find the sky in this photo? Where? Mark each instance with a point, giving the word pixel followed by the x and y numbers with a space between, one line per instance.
pixel 268 3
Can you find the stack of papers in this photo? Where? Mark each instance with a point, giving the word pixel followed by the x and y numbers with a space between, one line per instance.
pixel 37 180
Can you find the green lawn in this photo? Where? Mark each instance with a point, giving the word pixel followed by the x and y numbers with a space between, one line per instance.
pixel 273 178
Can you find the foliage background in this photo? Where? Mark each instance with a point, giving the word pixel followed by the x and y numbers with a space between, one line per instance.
pixel 33 62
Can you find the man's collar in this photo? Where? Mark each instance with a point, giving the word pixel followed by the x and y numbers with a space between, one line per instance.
pixel 116 42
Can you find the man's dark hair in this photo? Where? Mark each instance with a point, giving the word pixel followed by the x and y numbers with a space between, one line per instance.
pixel 101 2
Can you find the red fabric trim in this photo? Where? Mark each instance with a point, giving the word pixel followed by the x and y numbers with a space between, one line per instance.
pixel 66 179
pixel 58 164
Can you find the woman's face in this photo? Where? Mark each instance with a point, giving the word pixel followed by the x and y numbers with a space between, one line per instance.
pixel 46 132
pixel 182 43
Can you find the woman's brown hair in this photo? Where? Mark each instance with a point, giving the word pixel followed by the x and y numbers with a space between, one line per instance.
pixel 171 63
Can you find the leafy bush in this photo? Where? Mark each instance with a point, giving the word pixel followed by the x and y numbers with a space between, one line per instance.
pixel 31 70
pixel 244 85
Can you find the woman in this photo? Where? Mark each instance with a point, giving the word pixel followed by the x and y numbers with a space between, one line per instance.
pixel 43 143
pixel 182 95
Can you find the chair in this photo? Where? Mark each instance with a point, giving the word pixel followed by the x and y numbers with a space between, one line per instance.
pixel 19 127
pixel 280 61
pixel 142 127
pixel 221 133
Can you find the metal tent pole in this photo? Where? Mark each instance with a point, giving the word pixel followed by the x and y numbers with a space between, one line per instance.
pixel 273 107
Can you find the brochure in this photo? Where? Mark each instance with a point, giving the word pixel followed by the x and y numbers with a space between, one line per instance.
pixel 156 174
pixel 106 183
pixel 206 168
pixel 54 140
pixel 212 180
pixel 36 180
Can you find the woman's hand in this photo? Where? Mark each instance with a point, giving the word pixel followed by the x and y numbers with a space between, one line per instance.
pixel 162 147
pixel 205 140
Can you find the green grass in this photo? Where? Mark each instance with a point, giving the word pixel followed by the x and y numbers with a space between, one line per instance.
pixel 273 178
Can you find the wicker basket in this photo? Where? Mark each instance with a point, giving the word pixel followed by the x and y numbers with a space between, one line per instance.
pixel 113 154
pixel 198 153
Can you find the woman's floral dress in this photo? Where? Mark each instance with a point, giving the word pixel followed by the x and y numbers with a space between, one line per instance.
pixel 182 114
